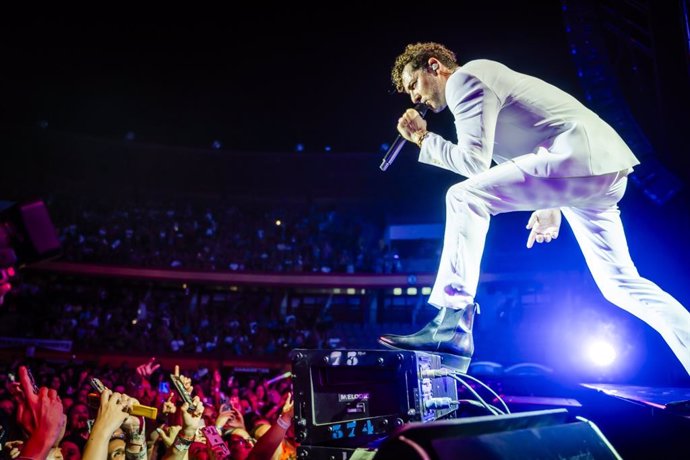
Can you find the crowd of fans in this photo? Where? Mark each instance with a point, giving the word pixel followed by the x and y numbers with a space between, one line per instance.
pixel 62 416
pixel 114 316
pixel 214 235
pixel 118 316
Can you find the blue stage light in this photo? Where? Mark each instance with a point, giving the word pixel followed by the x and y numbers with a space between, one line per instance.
pixel 601 353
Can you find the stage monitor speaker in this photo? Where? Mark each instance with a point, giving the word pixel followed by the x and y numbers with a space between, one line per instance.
pixel 549 434
pixel 350 397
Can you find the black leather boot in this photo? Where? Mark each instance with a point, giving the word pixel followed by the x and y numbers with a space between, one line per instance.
pixel 412 341
pixel 449 334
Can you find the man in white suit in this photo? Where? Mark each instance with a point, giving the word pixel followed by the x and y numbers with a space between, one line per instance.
pixel 553 156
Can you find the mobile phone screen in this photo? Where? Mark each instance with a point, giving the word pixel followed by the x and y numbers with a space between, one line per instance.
pixel 164 387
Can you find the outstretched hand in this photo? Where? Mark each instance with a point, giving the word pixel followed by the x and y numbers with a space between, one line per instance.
pixel 145 370
pixel 28 405
pixel 49 425
pixel 288 407
pixel 544 225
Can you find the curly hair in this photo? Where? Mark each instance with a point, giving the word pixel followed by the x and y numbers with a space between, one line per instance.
pixel 418 55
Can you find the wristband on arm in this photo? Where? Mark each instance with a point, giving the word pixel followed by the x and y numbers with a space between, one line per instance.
pixel 182 444
pixel 283 424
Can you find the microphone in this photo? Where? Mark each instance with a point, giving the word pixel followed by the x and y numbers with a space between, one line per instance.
pixel 399 141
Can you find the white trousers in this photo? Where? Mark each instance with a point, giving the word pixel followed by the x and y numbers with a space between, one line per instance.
pixel 590 206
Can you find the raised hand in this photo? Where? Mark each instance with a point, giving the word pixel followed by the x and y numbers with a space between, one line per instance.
pixel 49 424
pixel 544 225
pixel 145 370
pixel 113 411
pixel 13 449
pixel 192 420
pixel 169 405
pixel 168 434
pixel 288 408
pixel 27 401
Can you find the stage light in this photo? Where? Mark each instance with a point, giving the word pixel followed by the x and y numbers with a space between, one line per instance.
pixel 426 290
pixel 412 291
pixel 278 223
pixel 216 144
pixel 299 147
pixel 601 353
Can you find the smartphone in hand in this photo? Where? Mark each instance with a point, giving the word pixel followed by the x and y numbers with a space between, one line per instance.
pixel 182 391
pixel 34 387
pixel 94 401
pixel 215 442
pixel 97 385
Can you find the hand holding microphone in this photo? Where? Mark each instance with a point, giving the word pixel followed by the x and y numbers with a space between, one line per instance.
pixel 411 124
pixel 412 127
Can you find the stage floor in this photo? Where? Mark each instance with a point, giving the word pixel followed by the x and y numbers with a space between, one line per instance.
pixel 674 399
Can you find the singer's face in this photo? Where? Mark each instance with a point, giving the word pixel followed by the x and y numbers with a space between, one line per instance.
pixel 426 87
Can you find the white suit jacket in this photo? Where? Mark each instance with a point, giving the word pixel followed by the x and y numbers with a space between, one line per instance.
pixel 501 114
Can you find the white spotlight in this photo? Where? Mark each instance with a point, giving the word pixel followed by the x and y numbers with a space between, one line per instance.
pixel 601 353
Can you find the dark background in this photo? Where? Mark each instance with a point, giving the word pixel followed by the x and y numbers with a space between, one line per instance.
pixel 261 78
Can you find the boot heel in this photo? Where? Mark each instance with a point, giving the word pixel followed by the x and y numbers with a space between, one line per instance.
pixel 457 363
